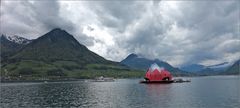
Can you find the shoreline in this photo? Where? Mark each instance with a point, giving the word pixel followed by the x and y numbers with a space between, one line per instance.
pixel 78 79
pixel 25 81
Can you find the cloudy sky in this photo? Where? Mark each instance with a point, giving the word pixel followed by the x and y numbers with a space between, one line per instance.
pixel 179 32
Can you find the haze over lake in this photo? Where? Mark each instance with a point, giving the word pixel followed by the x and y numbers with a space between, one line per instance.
pixel 201 92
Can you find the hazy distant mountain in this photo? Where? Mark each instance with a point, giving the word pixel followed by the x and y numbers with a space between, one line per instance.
pixel 201 68
pixel 221 66
pixel 11 44
pixel 137 62
pixel 58 53
pixel 193 68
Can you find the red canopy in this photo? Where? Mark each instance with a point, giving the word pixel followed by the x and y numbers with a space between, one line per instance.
pixel 155 73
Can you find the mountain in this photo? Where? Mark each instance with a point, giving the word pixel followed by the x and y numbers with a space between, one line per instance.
pixel 11 44
pixel 58 45
pixel 233 70
pixel 58 54
pixel 136 62
pixel 193 68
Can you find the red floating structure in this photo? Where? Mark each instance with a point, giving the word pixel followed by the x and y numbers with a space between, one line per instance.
pixel 155 74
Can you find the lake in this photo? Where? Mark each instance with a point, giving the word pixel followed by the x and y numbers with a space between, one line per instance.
pixel 201 92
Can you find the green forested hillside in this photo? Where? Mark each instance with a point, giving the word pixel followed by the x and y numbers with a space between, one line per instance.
pixel 57 54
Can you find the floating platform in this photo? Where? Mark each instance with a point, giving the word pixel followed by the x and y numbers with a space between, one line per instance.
pixel 165 82
pixel 161 82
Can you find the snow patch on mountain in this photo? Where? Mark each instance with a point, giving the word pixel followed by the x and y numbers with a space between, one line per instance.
pixel 17 39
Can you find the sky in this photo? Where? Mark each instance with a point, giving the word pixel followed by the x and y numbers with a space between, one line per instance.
pixel 178 32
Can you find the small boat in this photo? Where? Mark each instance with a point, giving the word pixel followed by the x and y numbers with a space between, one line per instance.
pixel 180 80
pixel 103 79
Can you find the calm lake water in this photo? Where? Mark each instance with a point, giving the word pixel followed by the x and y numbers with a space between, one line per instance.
pixel 202 92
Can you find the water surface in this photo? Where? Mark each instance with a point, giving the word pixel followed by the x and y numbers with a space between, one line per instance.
pixel 202 92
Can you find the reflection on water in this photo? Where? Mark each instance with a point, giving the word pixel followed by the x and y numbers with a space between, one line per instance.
pixel 217 92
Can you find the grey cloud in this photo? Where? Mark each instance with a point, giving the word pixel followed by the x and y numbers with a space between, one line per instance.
pixel 85 40
pixel 191 32
pixel 207 23
pixel 47 12
pixel 210 18
pixel 32 18
pixel 117 14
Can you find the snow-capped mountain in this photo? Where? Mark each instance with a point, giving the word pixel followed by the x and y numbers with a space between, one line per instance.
pixel 11 44
pixel 17 39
